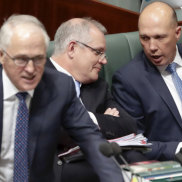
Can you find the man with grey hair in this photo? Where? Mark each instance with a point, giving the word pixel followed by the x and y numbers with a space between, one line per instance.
pixel 80 53
pixel 34 106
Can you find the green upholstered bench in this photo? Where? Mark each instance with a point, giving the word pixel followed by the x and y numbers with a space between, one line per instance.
pixel 121 48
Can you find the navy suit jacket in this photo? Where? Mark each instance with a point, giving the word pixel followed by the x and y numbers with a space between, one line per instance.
pixel 97 98
pixel 142 92
pixel 53 106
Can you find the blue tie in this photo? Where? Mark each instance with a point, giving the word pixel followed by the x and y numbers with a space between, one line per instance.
pixel 77 85
pixel 176 79
pixel 21 138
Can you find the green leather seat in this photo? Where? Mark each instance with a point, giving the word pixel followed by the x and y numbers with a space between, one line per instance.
pixel 133 5
pixel 179 14
pixel 121 48
pixel 50 49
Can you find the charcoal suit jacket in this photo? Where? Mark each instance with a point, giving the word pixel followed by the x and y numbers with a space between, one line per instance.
pixel 53 106
pixel 96 98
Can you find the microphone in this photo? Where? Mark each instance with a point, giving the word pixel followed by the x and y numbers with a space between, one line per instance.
pixel 114 150
pixel 179 156
pixel 106 149
pixel 117 151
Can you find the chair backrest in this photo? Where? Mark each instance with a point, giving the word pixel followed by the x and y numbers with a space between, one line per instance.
pixel 121 48
pixel 50 49
pixel 133 5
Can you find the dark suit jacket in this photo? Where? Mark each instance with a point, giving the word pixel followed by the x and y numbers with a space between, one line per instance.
pixel 142 92
pixel 51 107
pixel 97 98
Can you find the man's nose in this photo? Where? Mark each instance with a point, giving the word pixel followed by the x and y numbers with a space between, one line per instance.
pixel 103 60
pixel 30 67
pixel 153 45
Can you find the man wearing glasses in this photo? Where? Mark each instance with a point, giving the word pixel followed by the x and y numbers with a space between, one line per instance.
pixel 80 53
pixel 35 103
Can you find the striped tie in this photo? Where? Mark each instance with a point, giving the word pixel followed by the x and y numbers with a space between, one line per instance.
pixel 176 79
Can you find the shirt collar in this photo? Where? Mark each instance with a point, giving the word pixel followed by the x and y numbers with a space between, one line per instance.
pixel 61 69
pixel 9 90
pixel 177 60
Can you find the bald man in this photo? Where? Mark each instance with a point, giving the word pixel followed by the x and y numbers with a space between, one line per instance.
pixel 145 87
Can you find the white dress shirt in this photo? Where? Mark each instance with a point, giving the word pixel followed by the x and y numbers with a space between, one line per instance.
pixel 167 77
pixel 10 107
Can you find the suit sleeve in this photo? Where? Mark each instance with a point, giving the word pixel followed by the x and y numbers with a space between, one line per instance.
pixel 126 94
pixel 111 126
pixel 97 97
pixel 114 127
pixel 87 135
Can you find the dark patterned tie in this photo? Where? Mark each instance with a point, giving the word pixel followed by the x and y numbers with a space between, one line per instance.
pixel 21 138
pixel 176 79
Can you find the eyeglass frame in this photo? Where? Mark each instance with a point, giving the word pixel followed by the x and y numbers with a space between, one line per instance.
pixel 38 60
pixel 98 52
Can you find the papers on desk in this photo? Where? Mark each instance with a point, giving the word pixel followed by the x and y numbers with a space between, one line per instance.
pixel 133 141
pixel 128 142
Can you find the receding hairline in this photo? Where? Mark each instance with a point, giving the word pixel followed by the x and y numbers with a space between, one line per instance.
pixel 91 22
pixel 159 7
pixel 17 20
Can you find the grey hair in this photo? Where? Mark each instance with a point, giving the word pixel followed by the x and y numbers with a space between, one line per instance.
pixel 13 21
pixel 69 31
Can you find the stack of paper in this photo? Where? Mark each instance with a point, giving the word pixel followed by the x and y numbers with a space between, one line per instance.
pixel 133 141
pixel 128 142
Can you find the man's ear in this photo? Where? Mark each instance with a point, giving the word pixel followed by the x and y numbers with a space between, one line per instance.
pixel 178 32
pixel 1 56
pixel 71 48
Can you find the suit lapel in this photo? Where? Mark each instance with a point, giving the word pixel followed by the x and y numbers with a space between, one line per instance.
pixel 1 106
pixel 49 64
pixel 86 96
pixel 161 88
pixel 37 113
pixel 90 96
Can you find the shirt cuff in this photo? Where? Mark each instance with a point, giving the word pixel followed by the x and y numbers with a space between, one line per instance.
pixel 178 147
pixel 92 116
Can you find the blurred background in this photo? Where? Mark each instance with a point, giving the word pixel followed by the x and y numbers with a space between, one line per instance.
pixel 117 15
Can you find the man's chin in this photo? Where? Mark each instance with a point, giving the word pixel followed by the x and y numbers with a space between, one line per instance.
pixel 27 87
pixel 90 80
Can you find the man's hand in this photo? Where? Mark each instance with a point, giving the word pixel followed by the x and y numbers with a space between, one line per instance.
pixel 113 112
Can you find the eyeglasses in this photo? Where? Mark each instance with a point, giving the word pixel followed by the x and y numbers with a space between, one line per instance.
pixel 23 61
pixel 97 52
